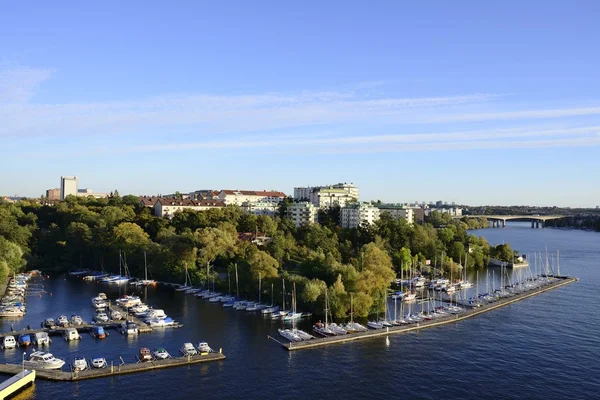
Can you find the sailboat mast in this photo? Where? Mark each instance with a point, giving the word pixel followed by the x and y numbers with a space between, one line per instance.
pixel 145 266
pixel 237 285
pixel 351 308
pixel 259 287
pixel 282 294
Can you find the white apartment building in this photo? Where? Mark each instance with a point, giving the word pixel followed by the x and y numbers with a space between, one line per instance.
pixel 340 194
pixel 357 214
pixel 302 213
pixel 454 211
pixel 167 207
pixel 261 208
pixel 90 192
pixel 239 197
pixel 68 186
pixel 397 212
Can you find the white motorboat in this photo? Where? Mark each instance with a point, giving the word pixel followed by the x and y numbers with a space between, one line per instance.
pixel 161 323
pixel 215 299
pixel 49 323
pixel 43 360
pixel 101 317
pixel 99 362
pixel 203 347
pixel 140 308
pixel 129 328
pixel 71 334
pixel 188 349
pixel 76 320
pixel 129 301
pixel 161 354
pixel 11 312
pixel 115 315
pixel 155 314
pixel 99 302
pixel 79 364
pixel 9 342
pixel 42 339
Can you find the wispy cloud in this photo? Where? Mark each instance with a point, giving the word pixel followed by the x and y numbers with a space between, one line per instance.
pixel 588 136
pixel 17 85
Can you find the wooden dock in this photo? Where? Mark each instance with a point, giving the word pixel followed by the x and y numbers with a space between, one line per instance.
pixel 318 342
pixel 142 326
pixel 59 375
pixel 12 385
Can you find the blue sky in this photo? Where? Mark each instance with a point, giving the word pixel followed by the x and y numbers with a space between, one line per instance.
pixel 462 101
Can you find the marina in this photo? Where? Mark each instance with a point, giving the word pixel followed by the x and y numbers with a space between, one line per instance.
pixel 113 370
pixel 473 312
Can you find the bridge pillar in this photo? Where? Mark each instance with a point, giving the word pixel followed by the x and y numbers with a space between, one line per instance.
pixel 543 223
pixel 537 224
pixel 532 224
pixel 504 223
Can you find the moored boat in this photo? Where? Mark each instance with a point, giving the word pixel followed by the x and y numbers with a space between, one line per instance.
pixel 43 360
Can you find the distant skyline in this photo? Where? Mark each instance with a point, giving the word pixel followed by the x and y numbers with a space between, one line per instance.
pixel 473 102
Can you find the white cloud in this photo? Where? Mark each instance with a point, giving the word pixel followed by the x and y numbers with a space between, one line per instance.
pixel 17 85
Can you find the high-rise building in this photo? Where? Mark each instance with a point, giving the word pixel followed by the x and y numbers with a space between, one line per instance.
pixel 302 213
pixel 53 194
pixel 357 214
pixel 339 194
pixel 68 186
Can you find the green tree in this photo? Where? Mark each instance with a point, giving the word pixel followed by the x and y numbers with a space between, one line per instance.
pixel 265 265
pixel 130 237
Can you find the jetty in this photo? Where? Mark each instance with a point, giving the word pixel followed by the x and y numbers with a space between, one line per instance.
pixel 142 326
pixel 473 312
pixel 12 385
pixel 112 370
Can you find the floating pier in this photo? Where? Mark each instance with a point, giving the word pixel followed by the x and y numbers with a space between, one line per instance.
pixel 141 325
pixel 12 385
pixel 318 342
pixel 59 375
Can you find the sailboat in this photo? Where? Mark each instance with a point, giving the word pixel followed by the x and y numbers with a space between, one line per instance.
pixel 146 281
pixel 271 309
pixel 122 278
pixel 185 286
pixel 323 328
pixel 353 326
pixel 257 306
pixel 293 315
pixel 282 312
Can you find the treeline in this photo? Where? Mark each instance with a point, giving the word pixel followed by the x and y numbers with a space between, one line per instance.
pixel 357 264
pixel 589 222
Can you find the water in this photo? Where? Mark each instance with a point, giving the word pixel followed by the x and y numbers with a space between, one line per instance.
pixel 544 347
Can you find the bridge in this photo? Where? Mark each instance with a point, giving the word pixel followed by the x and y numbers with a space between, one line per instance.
pixel 537 221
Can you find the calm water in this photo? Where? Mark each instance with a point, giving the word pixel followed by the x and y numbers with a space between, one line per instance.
pixel 545 347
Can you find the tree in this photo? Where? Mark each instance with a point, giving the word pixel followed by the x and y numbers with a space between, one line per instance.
pixel 130 237
pixel 11 254
pixel 265 265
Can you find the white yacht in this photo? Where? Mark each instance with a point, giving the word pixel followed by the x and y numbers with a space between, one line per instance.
pixel 71 334
pixel 375 324
pixel 76 320
pixel 338 330
pixel 79 364
pixel 161 323
pixel 43 360
pixel 203 347
pixel 9 342
pixel 62 321
pixel 129 328
pixel 101 317
pixel 188 349
pixel 115 315
pixel 42 339
pixel 161 354
pixel 99 362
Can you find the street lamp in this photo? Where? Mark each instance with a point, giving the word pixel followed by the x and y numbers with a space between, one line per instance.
pixel 23 363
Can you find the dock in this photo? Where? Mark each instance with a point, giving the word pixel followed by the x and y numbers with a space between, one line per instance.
pixel 325 341
pixel 142 326
pixel 59 375
pixel 12 385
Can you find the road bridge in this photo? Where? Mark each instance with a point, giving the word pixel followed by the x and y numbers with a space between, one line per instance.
pixel 497 221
